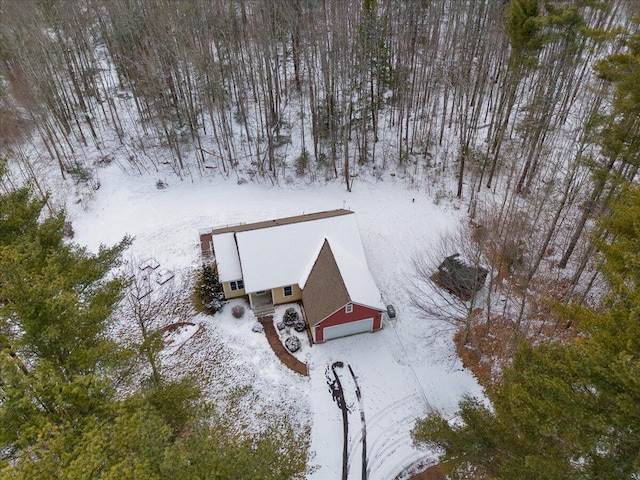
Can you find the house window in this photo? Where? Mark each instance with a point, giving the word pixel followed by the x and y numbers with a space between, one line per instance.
pixel 348 308
pixel 287 291
pixel 236 285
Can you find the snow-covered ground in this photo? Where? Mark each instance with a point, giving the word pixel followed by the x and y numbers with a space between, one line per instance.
pixel 403 370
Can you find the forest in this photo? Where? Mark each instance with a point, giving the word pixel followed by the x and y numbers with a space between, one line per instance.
pixel 524 114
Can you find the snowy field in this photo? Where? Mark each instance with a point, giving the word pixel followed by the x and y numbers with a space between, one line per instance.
pixel 403 370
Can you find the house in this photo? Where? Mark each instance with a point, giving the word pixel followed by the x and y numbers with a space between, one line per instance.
pixel 460 279
pixel 317 259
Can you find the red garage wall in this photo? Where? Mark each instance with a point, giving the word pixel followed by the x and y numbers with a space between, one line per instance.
pixel 360 312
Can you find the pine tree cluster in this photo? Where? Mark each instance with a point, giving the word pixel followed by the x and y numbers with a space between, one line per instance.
pixel 210 289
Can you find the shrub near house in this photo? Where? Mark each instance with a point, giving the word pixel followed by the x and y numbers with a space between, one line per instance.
pixel 209 289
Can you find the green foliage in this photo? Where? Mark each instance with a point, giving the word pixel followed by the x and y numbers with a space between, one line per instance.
pixel 328 119
pixel 565 16
pixel 529 28
pixel 57 366
pixel 374 51
pixel 219 454
pixel 136 442
pixel 61 305
pixel 61 415
pixel 39 397
pixel 563 411
pixel 209 291
pixel 623 262
pixel 290 317
pixel 523 24
pixel 19 214
pixel 620 138
pixel 572 411
pixel 79 172
pixel 177 402
pixel 618 129
pixel 130 443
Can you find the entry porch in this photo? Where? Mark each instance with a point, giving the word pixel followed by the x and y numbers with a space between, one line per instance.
pixel 262 303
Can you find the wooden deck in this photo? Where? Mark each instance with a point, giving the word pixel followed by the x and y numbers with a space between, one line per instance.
pixel 280 350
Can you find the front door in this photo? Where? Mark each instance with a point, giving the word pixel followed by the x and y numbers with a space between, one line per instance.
pixel 261 298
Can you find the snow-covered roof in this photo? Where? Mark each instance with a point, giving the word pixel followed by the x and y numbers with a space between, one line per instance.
pixel 312 261
pixel 357 278
pixel 224 246
pixel 267 256
pixel 278 256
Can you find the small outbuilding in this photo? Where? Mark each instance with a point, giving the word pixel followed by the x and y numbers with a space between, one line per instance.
pixel 460 279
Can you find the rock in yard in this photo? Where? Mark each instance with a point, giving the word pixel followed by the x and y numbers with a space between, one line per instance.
pixel 257 327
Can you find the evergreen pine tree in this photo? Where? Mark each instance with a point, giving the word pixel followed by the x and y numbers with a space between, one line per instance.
pixel 57 364
pixel 571 410
pixel 563 411
pixel 62 414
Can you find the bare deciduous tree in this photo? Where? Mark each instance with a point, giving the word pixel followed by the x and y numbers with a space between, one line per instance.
pixel 152 304
pixel 441 301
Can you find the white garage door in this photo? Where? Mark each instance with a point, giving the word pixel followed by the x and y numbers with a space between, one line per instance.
pixel 350 328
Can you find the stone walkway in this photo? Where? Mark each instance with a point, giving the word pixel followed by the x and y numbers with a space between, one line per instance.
pixel 280 350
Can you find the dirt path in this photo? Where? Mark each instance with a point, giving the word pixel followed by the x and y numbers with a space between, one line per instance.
pixel 432 473
pixel 280 350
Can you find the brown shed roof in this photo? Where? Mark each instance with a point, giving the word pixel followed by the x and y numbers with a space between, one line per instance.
pixel 325 291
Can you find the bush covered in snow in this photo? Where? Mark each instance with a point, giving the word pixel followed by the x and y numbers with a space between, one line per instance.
pixel 292 343
pixel 299 325
pixel 209 292
pixel 237 311
pixel 290 317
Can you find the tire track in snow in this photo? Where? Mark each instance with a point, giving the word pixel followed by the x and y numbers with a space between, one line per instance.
pixel 382 415
pixel 390 441
pixel 387 450
pixel 411 465
pixel 363 425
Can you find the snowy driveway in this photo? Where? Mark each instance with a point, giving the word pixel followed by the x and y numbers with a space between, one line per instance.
pixel 399 380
